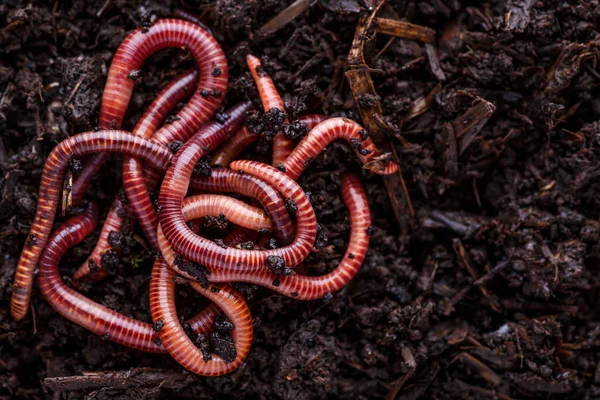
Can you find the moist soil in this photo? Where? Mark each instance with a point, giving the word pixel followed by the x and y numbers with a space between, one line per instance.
pixel 488 290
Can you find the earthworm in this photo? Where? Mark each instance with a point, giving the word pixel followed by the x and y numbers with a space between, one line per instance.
pixel 173 336
pixel 79 309
pixel 315 287
pixel 135 188
pixel 128 59
pixel 134 181
pixel 49 193
pixel 235 210
pixel 94 264
pixel 244 138
pixel 282 145
pixel 226 180
pixel 205 252
pixel 325 133
pixel 309 287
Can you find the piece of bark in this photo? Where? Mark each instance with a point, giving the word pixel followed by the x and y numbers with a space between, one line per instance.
pixel 284 17
pixel 137 377
pixel 404 30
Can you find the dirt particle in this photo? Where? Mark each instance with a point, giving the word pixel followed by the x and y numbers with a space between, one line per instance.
pixel 295 130
pixel 174 146
pixel 135 75
pixel 291 206
pixel 247 245
pixel 158 325
pixel 116 239
pixel 277 265
pixel 216 71
pixel 195 270
pixel 276 282
pixel 221 118
pixel 75 165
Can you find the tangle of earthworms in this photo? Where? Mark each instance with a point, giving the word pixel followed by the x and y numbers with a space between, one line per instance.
pixel 272 235
pixel 97 318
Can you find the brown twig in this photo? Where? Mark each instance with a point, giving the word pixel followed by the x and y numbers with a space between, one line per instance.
pixel 136 377
pixel 284 17
pixel 369 106
pixel 404 30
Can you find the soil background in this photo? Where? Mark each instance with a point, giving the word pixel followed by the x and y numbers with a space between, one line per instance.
pixel 489 291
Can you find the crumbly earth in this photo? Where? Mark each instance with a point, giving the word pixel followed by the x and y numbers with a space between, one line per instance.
pixel 489 291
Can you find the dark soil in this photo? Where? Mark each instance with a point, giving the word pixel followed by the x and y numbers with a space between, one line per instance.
pixel 493 293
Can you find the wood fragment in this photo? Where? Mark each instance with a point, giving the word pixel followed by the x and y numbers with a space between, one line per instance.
pixel 284 17
pixel 485 372
pixel 136 377
pixel 434 62
pixel 464 261
pixel 404 30
pixel 422 104
pixel 468 125
pixel 369 107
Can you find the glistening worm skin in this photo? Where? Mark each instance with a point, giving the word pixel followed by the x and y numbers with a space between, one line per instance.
pixel 315 287
pixel 79 309
pixel 326 132
pixel 172 334
pixel 235 210
pixel 226 180
pixel 128 59
pixel 282 146
pixel 244 138
pixel 134 181
pixel 112 223
pixel 49 194
pixel 205 252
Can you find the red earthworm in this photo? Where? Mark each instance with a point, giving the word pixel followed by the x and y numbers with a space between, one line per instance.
pixel 135 188
pixel 235 210
pixel 325 133
pixel 87 313
pixel 49 193
pixel 205 252
pixel 244 138
pixel 226 180
pixel 233 147
pixel 93 265
pixel 240 235
pixel 134 182
pixel 314 287
pixel 172 334
pixel 282 145
pixel 128 59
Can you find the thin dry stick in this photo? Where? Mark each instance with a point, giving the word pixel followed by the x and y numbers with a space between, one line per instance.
pixel 371 113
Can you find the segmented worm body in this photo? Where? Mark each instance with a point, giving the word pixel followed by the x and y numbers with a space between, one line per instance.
pixel 124 70
pixel 226 180
pixel 172 334
pixel 205 252
pixel 49 193
pixel 295 285
pixel 134 179
pixel 79 309
pixel 326 132
pixel 282 145
pixel 244 138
